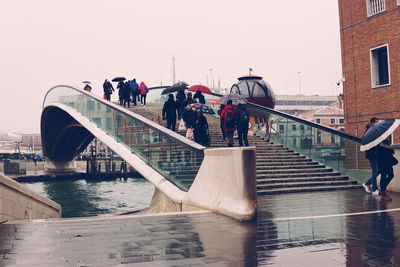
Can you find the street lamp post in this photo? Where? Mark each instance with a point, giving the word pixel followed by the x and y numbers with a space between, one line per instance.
pixel 211 78
pixel 299 73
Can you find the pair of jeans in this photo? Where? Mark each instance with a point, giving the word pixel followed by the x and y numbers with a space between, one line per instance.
pixel 372 180
pixel 229 137
pixel 242 136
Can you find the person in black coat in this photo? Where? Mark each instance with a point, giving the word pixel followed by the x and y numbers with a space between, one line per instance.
pixel 180 97
pixel 200 96
pixel 201 129
pixel 169 112
pixel 371 155
pixel 385 166
pixel 126 94
pixel 242 123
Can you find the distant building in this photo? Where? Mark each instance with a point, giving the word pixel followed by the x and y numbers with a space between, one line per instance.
pixel 293 104
pixel 31 142
pixel 370 34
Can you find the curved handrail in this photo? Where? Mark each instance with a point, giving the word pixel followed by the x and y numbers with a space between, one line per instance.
pixel 306 122
pixel 177 137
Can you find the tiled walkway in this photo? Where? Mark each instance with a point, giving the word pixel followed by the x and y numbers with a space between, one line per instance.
pixel 309 229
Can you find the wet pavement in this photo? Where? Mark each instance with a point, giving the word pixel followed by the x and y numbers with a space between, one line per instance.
pixel 338 228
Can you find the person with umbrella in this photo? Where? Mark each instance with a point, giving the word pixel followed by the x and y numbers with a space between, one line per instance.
pixel 120 87
pixel 200 96
pixel 189 100
pixel 108 89
pixel 87 88
pixel 221 122
pixel 242 122
pixel 229 121
pixel 386 161
pixel 372 156
pixel 169 112
pixel 180 97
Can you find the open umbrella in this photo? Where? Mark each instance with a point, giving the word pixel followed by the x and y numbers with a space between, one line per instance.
pixel 213 101
pixel 86 82
pixel 119 79
pixel 201 107
pixel 377 133
pixel 236 99
pixel 199 87
pixel 175 88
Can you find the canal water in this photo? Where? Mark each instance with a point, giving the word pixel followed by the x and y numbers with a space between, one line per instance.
pixel 81 198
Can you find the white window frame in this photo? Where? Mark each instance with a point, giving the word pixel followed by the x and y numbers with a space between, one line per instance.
pixel 375 7
pixel 373 67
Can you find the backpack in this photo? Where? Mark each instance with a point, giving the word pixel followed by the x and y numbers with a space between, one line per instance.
pixel 230 120
pixel 244 120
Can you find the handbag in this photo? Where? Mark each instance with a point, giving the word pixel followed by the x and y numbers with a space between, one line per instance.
pixel 181 126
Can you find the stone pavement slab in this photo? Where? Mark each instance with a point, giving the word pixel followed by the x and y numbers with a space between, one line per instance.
pixel 340 228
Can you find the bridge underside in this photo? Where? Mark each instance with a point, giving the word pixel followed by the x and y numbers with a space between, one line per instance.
pixel 63 137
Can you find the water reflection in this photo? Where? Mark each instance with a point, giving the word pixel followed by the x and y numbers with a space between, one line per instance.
pixel 90 198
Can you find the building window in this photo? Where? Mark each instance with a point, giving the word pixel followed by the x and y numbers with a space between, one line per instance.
pixel 294 127
pixel 341 121
pixel 333 139
pixel 281 128
pixel 333 121
pixel 380 66
pixel 375 7
pixel 318 120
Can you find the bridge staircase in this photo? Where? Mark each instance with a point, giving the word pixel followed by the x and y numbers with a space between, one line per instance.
pixel 279 169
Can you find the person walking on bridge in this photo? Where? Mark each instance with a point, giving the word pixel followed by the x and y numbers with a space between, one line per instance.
pixel 200 96
pixel 242 122
pixel 108 89
pixel 126 94
pixel 229 121
pixel 134 91
pixel 180 97
pixel 169 112
pixel 143 93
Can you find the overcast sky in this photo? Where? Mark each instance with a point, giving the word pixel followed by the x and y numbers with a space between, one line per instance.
pixel 50 42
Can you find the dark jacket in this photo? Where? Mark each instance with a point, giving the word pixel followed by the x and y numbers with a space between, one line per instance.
pixel 108 88
pixel 224 114
pixel 169 109
pixel 200 130
pixel 384 155
pixel 180 96
pixel 187 102
pixel 201 98
pixel 190 117
pixel 241 124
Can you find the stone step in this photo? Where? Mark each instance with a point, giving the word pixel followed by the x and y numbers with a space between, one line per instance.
pixel 302 179
pixel 307 189
pixel 305 184
pixel 277 161
pixel 299 164
pixel 296 171
pixel 289 167
pixel 293 175
pixel 278 156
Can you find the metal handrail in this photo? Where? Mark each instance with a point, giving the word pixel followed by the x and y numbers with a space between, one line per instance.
pixel 306 122
pixel 177 137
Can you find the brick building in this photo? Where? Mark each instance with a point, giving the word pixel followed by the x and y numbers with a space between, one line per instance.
pixel 370 41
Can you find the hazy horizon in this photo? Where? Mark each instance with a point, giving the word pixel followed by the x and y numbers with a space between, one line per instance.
pixel 45 43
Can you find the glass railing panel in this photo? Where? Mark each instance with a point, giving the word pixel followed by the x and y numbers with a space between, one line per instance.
pixel 174 159
pixel 326 147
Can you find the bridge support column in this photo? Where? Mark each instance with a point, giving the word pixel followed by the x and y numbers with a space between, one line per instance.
pixel 226 183
pixel 53 166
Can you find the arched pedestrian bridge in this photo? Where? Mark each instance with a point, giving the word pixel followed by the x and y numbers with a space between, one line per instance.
pixel 187 176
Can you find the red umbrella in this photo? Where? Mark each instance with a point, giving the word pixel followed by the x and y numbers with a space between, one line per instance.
pixel 213 101
pixel 199 87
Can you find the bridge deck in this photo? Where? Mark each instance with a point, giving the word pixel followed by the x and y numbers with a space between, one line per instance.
pixel 310 229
